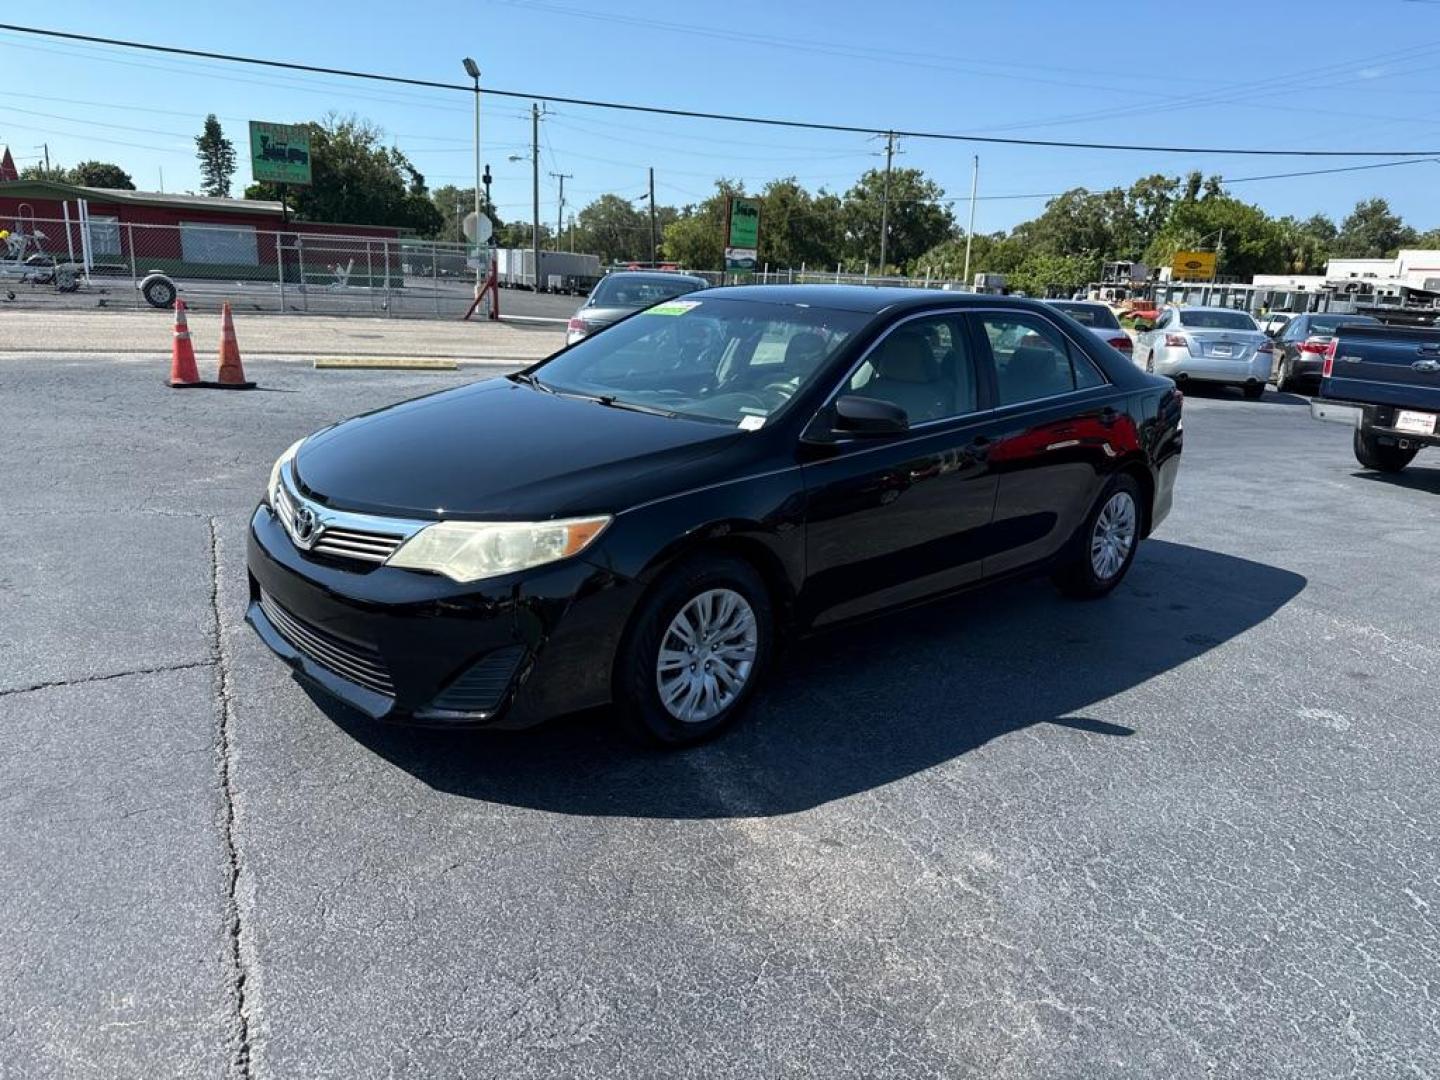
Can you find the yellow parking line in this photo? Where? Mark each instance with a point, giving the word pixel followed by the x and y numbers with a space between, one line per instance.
pixel 402 363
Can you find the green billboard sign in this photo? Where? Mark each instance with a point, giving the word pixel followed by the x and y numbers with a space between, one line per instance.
pixel 279 153
pixel 744 228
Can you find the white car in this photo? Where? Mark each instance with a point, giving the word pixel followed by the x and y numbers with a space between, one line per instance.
pixel 1208 344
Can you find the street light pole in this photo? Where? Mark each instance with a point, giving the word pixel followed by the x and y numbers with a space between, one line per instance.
pixel 970 232
pixel 473 70
pixel 652 218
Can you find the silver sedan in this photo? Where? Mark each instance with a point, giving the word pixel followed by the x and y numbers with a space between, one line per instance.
pixel 1208 344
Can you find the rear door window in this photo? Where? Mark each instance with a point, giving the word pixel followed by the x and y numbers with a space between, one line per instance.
pixel 1033 360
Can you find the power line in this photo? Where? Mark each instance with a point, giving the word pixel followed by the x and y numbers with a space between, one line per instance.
pixel 695 114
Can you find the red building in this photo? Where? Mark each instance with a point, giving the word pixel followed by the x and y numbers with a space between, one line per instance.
pixel 186 235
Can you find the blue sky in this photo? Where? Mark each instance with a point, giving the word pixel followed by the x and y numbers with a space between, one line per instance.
pixel 1292 74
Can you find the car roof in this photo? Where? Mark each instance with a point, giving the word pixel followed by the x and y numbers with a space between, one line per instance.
pixel 1078 303
pixel 1196 307
pixel 873 299
pixel 663 275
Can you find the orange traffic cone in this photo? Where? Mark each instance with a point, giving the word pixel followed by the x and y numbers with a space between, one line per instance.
pixel 183 371
pixel 232 372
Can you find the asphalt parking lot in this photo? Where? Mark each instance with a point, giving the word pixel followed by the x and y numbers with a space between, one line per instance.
pixel 1191 830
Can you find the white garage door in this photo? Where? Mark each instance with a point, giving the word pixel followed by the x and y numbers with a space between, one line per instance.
pixel 231 245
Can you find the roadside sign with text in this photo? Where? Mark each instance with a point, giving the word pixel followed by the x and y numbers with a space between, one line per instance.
pixel 742 229
pixel 279 153
pixel 1193 266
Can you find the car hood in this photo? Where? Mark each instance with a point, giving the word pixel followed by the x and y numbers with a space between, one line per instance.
pixel 498 450
pixel 604 316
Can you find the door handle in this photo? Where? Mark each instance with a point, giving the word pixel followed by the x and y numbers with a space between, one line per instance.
pixel 1109 415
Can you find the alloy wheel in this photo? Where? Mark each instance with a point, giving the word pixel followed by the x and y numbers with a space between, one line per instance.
pixel 706 656
pixel 1114 536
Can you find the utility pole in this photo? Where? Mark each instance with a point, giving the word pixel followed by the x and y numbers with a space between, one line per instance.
pixel 885 200
pixel 46 148
pixel 560 209
pixel 653 244
pixel 535 188
pixel 1219 253
pixel 970 232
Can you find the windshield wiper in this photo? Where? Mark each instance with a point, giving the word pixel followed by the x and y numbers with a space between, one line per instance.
pixel 531 380
pixel 616 403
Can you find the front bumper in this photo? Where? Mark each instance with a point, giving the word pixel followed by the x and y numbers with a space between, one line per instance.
pixel 419 648
pixel 1178 363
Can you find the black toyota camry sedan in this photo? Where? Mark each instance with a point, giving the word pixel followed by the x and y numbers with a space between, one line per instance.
pixel 644 517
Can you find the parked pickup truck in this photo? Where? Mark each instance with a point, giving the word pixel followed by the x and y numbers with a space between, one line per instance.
pixel 1384 381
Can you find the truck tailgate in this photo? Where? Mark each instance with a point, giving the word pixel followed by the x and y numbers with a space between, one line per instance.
pixel 1386 365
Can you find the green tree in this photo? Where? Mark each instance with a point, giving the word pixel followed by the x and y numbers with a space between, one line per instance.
pixel 216 154
pixel 798 228
pixel 1306 243
pixel 992 253
pixel 696 238
pixel 99 174
pixel 1252 242
pixel 918 218
pixel 454 205
pixel 516 234
pixel 1430 240
pixel 1372 231
pixel 615 229
pixel 358 180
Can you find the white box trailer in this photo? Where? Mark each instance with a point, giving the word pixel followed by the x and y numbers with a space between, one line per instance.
pixel 560 271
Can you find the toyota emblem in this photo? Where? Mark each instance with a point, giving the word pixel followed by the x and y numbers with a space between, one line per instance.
pixel 305 526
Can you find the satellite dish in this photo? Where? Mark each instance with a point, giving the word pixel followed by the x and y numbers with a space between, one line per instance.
pixel 479 235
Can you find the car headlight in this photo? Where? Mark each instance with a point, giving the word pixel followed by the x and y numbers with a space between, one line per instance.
pixel 471 550
pixel 280 463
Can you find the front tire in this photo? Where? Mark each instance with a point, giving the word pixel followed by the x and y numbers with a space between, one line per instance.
pixel 1372 454
pixel 1105 547
pixel 699 646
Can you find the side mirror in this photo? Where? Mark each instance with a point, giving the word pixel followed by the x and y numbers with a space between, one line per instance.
pixel 868 418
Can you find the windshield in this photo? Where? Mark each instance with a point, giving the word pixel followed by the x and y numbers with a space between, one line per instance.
pixel 1326 324
pixel 1216 320
pixel 639 290
pixel 736 361
pixel 1097 316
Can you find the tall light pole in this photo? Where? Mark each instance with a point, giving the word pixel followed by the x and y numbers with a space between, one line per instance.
pixel 970 232
pixel 885 200
pixel 473 70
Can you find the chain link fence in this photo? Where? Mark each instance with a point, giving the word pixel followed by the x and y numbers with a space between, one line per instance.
pixel 58 263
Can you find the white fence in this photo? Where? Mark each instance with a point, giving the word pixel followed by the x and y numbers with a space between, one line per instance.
pixel 304 269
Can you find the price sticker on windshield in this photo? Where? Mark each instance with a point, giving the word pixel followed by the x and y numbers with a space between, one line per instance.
pixel 672 307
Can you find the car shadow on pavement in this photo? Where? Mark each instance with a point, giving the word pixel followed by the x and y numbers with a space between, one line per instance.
pixel 1416 478
pixel 856 708
pixel 1216 392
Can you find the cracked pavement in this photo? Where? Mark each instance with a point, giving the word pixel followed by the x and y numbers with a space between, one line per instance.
pixel 1187 831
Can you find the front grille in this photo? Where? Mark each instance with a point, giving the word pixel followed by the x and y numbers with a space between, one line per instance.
pixel 360 664
pixel 483 685
pixel 338 541
pixel 355 544
pixel 285 508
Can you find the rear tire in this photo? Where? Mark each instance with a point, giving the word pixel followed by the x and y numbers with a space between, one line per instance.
pixel 1253 391
pixel 1104 549
pixel 1372 454
pixel 711 609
